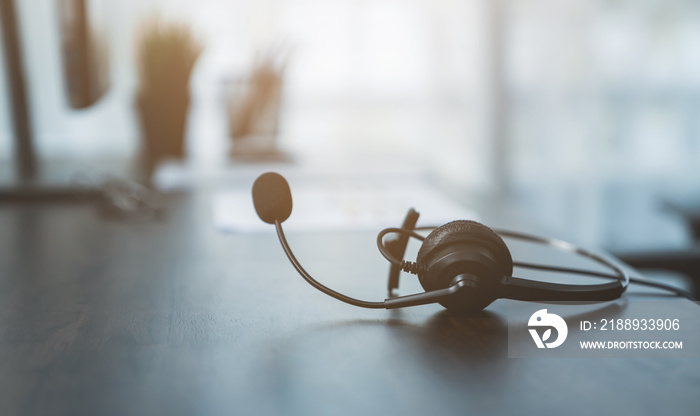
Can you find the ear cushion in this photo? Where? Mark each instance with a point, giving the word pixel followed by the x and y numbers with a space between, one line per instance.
pixel 463 231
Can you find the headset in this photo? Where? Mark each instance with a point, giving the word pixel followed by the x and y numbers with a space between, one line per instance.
pixel 463 265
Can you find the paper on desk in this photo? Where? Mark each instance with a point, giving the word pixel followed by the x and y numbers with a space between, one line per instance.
pixel 352 208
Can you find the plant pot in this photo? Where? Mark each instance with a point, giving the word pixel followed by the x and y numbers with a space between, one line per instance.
pixel 163 117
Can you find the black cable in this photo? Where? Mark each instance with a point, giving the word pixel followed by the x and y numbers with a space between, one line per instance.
pixel 385 251
pixel 407 266
pixel 670 288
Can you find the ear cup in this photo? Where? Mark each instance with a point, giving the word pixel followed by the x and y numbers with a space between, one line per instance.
pixel 465 247
pixel 466 231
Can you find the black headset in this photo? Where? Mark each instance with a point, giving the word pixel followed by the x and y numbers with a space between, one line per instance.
pixel 463 265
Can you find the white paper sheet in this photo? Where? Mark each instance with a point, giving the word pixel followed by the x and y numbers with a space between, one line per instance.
pixel 317 208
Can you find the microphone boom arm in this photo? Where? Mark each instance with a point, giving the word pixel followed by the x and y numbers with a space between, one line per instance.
pixel 392 303
pixel 313 282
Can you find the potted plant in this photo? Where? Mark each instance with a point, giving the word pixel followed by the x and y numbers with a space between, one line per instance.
pixel 167 53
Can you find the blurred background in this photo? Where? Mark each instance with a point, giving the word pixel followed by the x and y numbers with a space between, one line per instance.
pixel 584 115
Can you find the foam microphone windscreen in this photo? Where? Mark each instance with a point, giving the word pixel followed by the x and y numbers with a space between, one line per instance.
pixel 272 197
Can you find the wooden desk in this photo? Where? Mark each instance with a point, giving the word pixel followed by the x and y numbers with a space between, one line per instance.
pixel 100 317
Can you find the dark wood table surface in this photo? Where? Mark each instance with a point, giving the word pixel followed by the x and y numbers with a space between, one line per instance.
pixel 170 317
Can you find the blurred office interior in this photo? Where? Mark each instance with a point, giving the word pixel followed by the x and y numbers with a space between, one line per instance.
pixel 584 115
